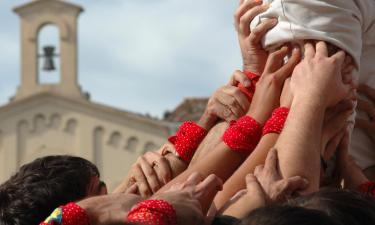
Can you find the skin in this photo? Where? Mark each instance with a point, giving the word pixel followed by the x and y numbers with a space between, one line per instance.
pixel 268 87
pixel 368 124
pixel 184 197
pixel 264 187
pixel 312 82
pixel 154 169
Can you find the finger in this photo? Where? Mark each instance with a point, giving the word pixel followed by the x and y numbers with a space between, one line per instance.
pixel 332 145
pixel 347 74
pixel 321 48
pixel 275 60
pixel 366 107
pixel 259 31
pixel 163 170
pixel 223 112
pixel 291 185
pixel 258 171
pixel 150 174
pixel 194 179
pixel 239 96
pixel 368 91
pixel 242 9
pixel 285 71
pixel 337 123
pixel 339 58
pixel 252 184
pixel 209 187
pixel 230 101
pixel 271 161
pixel 239 77
pixel 342 106
pixel 309 50
pixel 133 189
pixel 246 19
pixel 144 189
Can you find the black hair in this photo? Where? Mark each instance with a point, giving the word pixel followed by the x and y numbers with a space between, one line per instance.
pixel 345 206
pixel 39 187
pixel 287 215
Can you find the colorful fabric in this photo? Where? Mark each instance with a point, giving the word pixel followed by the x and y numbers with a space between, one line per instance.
pixel 243 135
pixel 275 124
pixel 187 140
pixel 153 212
pixel 70 214
pixel 249 91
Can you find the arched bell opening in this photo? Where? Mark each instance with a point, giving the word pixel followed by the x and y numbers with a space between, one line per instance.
pixel 49 55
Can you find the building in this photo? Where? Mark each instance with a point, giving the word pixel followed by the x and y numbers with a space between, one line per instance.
pixel 44 119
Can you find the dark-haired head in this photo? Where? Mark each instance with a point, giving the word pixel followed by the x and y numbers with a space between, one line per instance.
pixel 39 187
pixel 347 207
pixel 287 215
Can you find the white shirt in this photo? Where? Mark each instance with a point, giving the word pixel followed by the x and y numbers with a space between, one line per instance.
pixel 347 24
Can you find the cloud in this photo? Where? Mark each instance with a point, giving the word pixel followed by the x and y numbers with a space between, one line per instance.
pixel 147 55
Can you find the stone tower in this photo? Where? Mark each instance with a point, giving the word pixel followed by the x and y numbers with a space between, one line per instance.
pixel 34 16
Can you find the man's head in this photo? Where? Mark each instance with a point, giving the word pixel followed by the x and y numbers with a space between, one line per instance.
pixel 287 215
pixel 39 187
pixel 345 206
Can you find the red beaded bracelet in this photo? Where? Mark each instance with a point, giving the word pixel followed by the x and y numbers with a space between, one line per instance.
pixel 249 91
pixel 367 188
pixel 153 212
pixel 243 135
pixel 70 214
pixel 187 140
pixel 275 124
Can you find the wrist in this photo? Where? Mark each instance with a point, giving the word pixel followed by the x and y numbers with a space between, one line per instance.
pixel 309 100
pixel 252 68
pixel 258 115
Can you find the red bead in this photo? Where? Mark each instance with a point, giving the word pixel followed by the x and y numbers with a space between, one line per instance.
pixel 187 140
pixel 275 124
pixel 153 212
pixel 249 91
pixel 243 135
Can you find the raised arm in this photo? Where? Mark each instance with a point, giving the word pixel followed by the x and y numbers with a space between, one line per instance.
pixel 316 84
pixel 222 160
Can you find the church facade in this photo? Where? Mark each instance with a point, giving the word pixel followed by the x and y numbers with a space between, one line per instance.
pixel 46 119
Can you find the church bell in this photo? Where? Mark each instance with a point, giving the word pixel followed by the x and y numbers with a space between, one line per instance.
pixel 48 64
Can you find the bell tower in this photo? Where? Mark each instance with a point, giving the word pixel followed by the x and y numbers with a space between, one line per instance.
pixel 34 16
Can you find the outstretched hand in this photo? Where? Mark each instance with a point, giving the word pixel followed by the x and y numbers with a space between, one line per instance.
pixel 276 188
pixel 318 77
pixel 187 197
pixel 268 89
pixel 253 55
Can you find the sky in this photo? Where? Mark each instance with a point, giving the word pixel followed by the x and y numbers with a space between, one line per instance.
pixel 143 56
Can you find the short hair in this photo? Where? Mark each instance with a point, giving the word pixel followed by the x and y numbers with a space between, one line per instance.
pixel 345 206
pixel 39 187
pixel 287 215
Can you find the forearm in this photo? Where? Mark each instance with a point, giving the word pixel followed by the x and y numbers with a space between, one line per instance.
pixel 298 146
pixel 220 161
pixel 210 142
pixel 237 181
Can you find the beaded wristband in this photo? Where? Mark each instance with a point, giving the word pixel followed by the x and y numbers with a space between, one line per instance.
pixel 249 91
pixel 243 135
pixel 153 212
pixel 275 124
pixel 70 214
pixel 367 188
pixel 187 140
